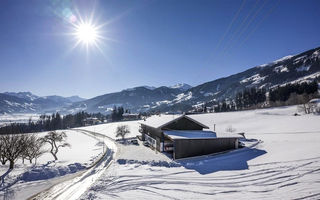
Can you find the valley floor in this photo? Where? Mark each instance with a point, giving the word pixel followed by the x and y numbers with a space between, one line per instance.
pixel 283 164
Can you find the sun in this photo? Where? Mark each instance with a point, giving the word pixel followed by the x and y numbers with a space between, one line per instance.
pixel 86 33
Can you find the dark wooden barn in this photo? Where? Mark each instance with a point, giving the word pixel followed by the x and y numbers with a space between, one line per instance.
pixel 183 136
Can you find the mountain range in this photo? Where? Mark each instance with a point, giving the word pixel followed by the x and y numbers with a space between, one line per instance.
pixel 26 102
pixel 303 67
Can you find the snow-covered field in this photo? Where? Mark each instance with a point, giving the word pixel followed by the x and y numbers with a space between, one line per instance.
pixel 285 165
pixel 17 118
pixel 28 179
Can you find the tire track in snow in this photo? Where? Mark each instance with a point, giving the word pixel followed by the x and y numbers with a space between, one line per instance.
pixel 261 180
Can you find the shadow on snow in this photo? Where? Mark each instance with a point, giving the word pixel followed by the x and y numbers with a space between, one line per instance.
pixel 235 160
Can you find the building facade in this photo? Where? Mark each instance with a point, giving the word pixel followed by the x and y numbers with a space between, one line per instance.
pixel 183 136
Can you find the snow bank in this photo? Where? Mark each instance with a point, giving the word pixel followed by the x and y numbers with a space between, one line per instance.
pixel 44 172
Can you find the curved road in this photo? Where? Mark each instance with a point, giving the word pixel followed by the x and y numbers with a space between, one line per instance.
pixel 72 189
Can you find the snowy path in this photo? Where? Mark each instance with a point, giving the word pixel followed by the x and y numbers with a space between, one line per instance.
pixel 74 188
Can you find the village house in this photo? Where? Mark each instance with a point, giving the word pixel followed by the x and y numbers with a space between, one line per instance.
pixel 91 121
pixel 130 116
pixel 183 136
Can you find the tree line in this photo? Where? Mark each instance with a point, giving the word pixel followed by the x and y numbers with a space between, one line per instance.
pixel 283 93
pixel 244 100
pixel 50 123
pixel 290 94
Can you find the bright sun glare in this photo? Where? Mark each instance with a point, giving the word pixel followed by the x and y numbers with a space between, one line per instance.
pixel 86 33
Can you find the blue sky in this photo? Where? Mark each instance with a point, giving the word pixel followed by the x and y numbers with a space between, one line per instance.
pixel 151 42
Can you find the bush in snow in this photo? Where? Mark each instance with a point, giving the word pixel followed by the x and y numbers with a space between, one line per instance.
pixel 56 140
pixel 122 131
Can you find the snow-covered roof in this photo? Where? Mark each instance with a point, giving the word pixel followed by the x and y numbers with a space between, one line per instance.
pixel 159 121
pixel 314 101
pixel 130 114
pixel 190 134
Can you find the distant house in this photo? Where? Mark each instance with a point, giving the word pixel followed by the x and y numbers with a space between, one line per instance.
pixel 130 116
pixel 91 121
pixel 314 105
pixel 183 136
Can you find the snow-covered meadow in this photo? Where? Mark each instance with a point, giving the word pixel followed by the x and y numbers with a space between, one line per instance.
pixel 28 179
pixel 284 165
pixel 8 118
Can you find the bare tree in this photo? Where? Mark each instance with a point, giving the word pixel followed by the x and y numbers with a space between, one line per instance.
pixel 304 108
pixel 56 140
pixel 122 131
pixel 13 146
pixel 3 158
pixel 34 148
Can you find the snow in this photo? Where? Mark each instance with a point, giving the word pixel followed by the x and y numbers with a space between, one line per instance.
pixel 158 120
pixel 281 161
pixel 181 86
pixel 190 134
pixel 277 61
pixel 316 54
pixel 255 79
pixel 27 179
pixel 17 118
pixel 299 58
pixel 183 97
pixel 283 165
pixel 303 68
pixel 145 86
pixel 109 129
pixel 308 78
pixel 208 94
pixel 280 69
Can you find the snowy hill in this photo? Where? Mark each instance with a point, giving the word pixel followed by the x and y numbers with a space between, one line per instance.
pixel 181 97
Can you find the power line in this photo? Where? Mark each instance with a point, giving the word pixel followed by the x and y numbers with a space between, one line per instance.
pixel 230 25
pixel 260 22
pixel 241 25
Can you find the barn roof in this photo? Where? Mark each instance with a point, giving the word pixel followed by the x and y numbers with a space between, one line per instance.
pixel 159 121
pixel 190 134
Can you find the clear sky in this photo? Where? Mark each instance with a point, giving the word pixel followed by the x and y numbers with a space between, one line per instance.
pixel 146 42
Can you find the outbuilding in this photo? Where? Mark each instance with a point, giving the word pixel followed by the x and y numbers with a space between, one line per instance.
pixel 183 136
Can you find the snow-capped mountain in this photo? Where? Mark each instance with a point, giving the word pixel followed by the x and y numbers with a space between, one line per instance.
pixel 75 99
pixel 181 86
pixel 23 95
pixel 290 69
pixel 26 102
pixel 137 99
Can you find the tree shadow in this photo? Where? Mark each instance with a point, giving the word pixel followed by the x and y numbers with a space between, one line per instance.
pixel 235 160
pixel 7 194
pixel 3 176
